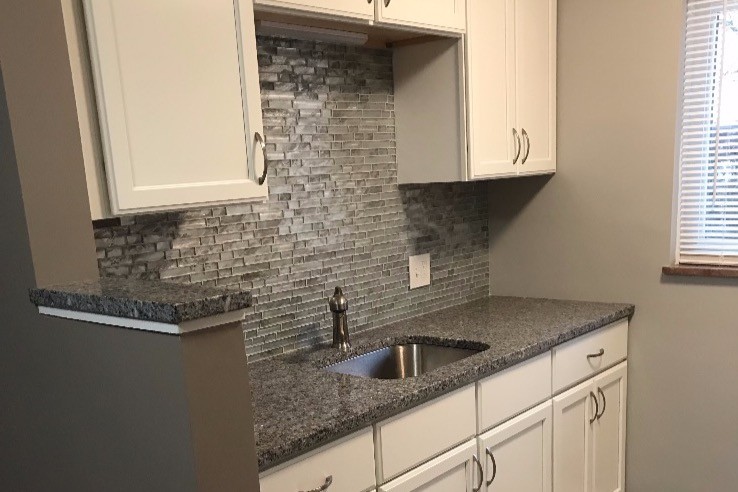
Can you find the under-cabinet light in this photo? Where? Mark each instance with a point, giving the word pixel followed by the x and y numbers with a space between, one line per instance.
pixel 295 31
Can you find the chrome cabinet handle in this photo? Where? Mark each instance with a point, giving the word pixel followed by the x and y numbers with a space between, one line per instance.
pixel 527 146
pixel 598 354
pixel 328 482
pixel 597 407
pixel 519 146
pixel 481 473
pixel 260 141
pixel 604 403
pixel 494 466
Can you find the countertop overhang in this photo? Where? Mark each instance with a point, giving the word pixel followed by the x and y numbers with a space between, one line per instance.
pixel 298 406
pixel 151 305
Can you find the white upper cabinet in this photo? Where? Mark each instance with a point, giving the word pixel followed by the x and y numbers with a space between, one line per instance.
pixel 178 98
pixel 442 15
pixel 511 87
pixel 507 102
pixel 535 84
pixel 344 9
pixel 414 15
pixel 490 89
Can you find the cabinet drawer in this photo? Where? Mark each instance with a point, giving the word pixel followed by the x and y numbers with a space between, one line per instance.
pixel 350 463
pixel 452 471
pixel 341 9
pixel 581 358
pixel 438 15
pixel 513 391
pixel 424 432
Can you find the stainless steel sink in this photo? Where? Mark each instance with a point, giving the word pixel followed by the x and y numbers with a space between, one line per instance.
pixel 401 361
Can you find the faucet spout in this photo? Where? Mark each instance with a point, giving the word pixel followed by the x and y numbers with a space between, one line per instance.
pixel 339 305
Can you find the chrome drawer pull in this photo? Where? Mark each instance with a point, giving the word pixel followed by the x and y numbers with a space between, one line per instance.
pixel 494 467
pixel 328 482
pixel 519 146
pixel 597 407
pixel 604 403
pixel 481 473
pixel 260 141
pixel 598 354
pixel 527 146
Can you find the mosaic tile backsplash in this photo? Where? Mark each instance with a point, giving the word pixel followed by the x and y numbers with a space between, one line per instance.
pixel 335 214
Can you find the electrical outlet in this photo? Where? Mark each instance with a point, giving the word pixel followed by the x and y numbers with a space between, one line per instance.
pixel 419 271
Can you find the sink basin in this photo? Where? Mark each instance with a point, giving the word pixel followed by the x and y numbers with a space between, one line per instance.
pixel 401 361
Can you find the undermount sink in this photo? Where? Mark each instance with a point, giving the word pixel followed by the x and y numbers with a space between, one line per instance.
pixel 401 361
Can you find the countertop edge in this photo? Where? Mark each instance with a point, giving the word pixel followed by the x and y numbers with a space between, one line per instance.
pixel 106 301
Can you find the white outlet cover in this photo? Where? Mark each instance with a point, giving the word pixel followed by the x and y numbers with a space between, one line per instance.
pixel 420 271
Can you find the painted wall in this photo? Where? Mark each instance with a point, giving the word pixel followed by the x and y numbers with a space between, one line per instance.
pixel 87 407
pixel 601 229
pixel 76 415
pixel 42 111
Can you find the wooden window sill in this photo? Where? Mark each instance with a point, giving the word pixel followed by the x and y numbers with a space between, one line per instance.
pixel 712 271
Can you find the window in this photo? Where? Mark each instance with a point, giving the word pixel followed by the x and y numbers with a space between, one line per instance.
pixel 708 150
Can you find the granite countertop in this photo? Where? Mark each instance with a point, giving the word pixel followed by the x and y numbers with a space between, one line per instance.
pixel 298 406
pixel 147 300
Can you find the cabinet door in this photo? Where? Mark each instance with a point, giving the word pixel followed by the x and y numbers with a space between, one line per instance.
pixel 517 453
pixel 453 471
pixel 347 9
pixel 608 470
pixel 573 414
pixel 178 96
pixel 491 89
pixel 535 78
pixel 438 15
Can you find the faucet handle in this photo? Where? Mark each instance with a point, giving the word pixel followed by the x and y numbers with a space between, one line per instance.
pixel 338 303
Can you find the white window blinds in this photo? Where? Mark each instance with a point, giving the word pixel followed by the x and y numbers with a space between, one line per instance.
pixel 708 152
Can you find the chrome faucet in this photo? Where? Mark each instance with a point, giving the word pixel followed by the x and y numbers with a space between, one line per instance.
pixel 339 305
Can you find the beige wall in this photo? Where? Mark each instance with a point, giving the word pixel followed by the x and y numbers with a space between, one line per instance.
pixel 45 129
pixel 601 229
pixel 85 407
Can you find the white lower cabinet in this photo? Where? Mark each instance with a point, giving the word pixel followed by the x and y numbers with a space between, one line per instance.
pixel 608 462
pixel 509 432
pixel 411 438
pixel 589 434
pixel 573 411
pixel 517 454
pixel 451 472
pixel 343 466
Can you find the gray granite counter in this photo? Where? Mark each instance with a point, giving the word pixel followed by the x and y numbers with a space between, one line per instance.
pixel 146 300
pixel 298 406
